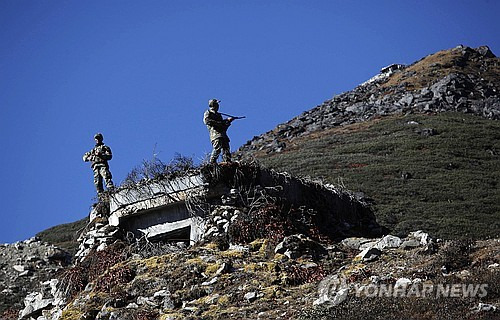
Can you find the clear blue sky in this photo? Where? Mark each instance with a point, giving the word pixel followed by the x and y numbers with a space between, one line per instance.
pixel 142 72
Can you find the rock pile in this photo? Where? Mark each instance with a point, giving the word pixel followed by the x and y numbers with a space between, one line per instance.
pixel 295 278
pixel 219 221
pixel 412 268
pixel 97 236
pixel 47 302
pixel 24 265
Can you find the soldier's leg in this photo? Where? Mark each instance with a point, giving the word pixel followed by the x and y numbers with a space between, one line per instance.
pixel 98 180
pixel 217 147
pixel 226 152
pixel 106 174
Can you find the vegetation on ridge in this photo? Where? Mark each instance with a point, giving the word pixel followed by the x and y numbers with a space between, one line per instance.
pixel 436 172
pixel 64 235
pixel 433 67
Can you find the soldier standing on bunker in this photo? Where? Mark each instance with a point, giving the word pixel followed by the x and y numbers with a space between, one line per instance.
pixel 217 128
pixel 99 157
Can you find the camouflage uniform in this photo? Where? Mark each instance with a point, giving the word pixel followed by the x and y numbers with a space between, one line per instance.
pixel 99 157
pixel 217 127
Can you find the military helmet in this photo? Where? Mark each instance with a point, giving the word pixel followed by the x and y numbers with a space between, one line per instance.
pixel 213 102
pixel 98 136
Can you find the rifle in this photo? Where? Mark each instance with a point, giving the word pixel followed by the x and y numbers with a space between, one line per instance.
pixel 234 117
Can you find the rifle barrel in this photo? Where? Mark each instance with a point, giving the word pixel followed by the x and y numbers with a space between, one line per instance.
pixel 228 115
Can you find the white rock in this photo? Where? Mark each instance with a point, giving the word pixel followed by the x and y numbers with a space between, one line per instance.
pixel 355 243
pixel 421 236
pixel 332 299
pixel 211 231
pixel 89 241
pixel 369 254
pixel 102 246
pixel 367 245
pixel 25 273
pixel 222 269
pixel 221 222
pixel 402 283
pixel 237 247
pixel 19 268
pixel 146 301
pixel 212 299
pixel 388 242
pixel 161 293
pixel 34 302
pixel 208 283
pixel 485 307
pixel 251 296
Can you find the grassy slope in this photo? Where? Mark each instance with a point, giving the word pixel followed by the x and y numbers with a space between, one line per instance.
pixel 453 190
pixel 64 235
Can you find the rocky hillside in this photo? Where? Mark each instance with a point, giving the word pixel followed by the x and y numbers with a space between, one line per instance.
pixel 460 79
pixel 26 265
pixel 295 277
pixel 417 145
pixel 421 142
pixel 263 258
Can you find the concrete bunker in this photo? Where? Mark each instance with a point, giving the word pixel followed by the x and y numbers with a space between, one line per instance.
pixel 178 208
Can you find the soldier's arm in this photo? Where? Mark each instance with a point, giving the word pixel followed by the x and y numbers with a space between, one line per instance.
pixel 89 156
pixel 86 156
pixel 208 120
pixel 222 124
pixel 106 154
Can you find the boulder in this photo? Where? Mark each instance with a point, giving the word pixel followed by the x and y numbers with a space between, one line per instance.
pixel 485 52
pixel 485 307
pixel 420 236
pixel 357 243
pixel 34 304
pixel 251 296
pixel 332 299
pixel 410 244
pixel 369 254
pixel 402 283
pixel 164 298
pixel 297 245
pixel 388 242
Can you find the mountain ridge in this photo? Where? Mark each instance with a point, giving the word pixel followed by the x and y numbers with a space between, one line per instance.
pixel 419 143
pixel 458 79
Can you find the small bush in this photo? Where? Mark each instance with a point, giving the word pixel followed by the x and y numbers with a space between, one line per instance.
pixel 454 255
pixel 10 314
pixel 297 274
pixel 114 277
pixel 146 315
pixel 73 280
pixel 453 189
pixel 273 222
pixel 100 261
pixel 156 169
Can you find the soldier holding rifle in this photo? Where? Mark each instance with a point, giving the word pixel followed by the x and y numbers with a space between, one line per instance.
pixel 99 157
pixel 217 129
